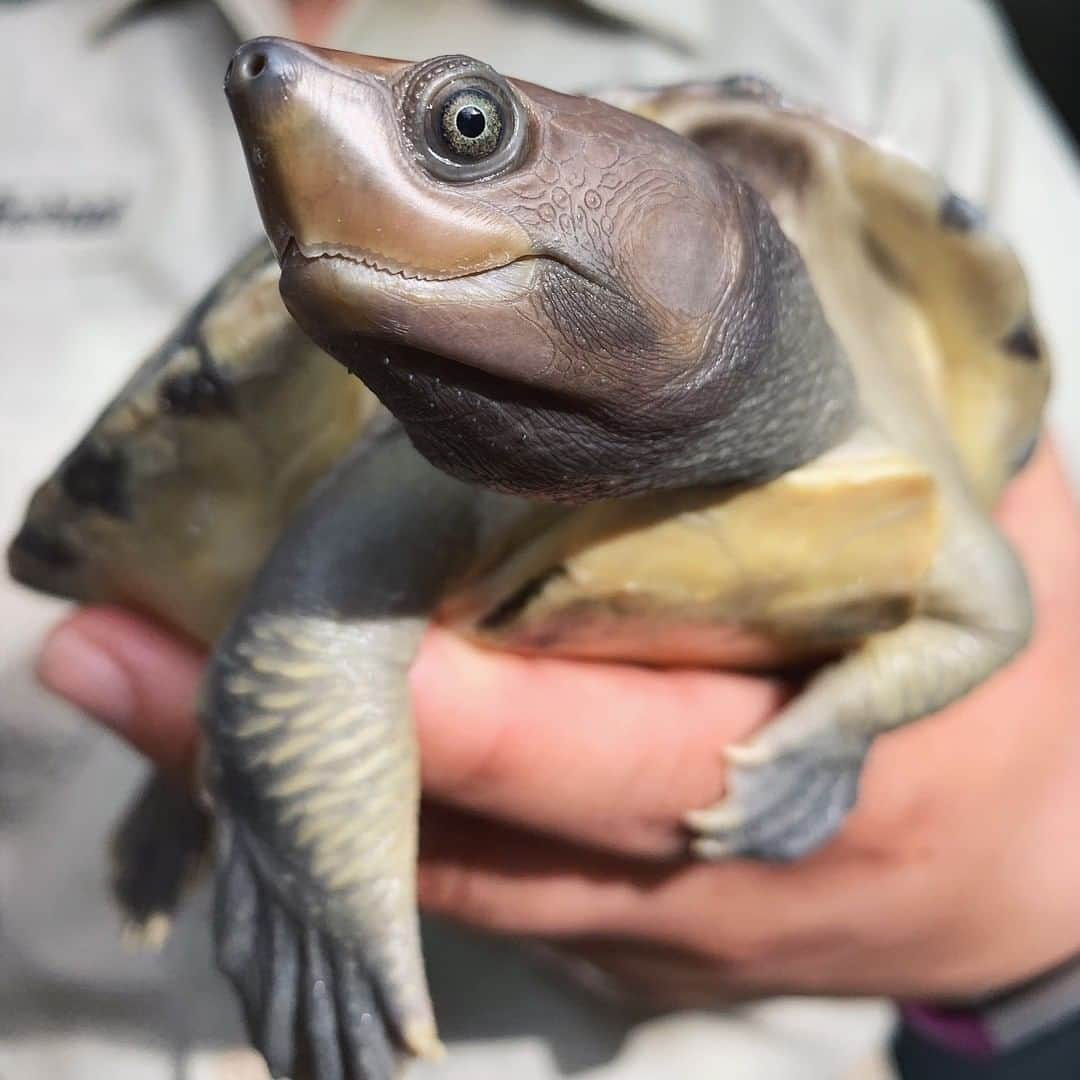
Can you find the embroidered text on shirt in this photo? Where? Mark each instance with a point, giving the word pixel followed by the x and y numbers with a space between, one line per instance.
pixel 60 211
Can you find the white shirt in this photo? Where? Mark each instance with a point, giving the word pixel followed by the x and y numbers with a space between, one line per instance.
pixel 123 193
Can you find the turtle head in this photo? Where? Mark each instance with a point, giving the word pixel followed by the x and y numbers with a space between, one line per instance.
pixel 556 286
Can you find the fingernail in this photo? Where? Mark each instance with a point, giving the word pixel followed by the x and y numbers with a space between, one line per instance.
pixel 80 670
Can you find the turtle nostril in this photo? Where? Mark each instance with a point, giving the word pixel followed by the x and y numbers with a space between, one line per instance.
pixel 252 66
pixel 259 74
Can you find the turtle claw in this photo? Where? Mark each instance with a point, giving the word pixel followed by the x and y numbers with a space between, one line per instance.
pixel 312 1010
pixel 157 851
pixel 711 850
pixel 779 807
pixel 725 816
pixel 751 753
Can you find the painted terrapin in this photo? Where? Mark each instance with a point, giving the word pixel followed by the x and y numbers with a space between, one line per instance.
pixel 716 383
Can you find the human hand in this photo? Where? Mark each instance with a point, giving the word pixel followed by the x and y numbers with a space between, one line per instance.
pixel 555 790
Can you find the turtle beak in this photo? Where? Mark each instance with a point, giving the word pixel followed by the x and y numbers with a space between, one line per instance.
pixel 280 92
pixel 257 84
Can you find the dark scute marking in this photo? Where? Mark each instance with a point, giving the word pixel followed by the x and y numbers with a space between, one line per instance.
pixel 197 393
pixel 186 334
pixel 96 477
pixel 32 543
pixel 771 161
pixel 1022 342
pixel 1027 452
pixel 506 611
pixel 960 214
pixel 883 260
pixel 749 88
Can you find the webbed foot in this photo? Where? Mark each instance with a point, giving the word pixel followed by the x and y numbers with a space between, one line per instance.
pixel 312 1009
pixel 780 804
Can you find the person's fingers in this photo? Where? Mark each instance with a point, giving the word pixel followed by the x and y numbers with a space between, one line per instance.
pixel 645 973
pixel 613 756
pixel 135 678
pixel 909 899
pixel 850 920
pixel 603 754
pixel 607 754
pixel 505 880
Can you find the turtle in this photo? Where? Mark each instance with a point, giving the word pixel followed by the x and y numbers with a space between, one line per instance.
pixel 680 375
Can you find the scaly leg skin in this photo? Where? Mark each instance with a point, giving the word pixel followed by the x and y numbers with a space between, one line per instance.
pixel 158 851
pixel 790 788
pixel 315 916
pixel 314 772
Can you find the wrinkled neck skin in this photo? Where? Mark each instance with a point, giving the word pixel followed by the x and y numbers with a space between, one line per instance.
pixel 610 315
pixel 771 392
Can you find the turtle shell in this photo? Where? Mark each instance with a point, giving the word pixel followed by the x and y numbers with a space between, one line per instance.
pixel 932 305
pixel 172 499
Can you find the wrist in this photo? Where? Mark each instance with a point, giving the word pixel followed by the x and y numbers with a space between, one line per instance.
pixel 1002 1022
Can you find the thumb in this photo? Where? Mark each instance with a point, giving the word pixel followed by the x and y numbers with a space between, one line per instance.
pixel 138 680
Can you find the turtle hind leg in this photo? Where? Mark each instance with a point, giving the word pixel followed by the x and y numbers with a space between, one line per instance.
pixel 312 1010
pixel 157 850
pixel 781 806
pixel 791 786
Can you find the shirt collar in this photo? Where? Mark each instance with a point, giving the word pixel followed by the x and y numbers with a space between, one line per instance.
pixel 248 18
pixel 685 23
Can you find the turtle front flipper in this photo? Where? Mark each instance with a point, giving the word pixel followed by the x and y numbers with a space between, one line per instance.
pixel 790 788
pixel 314 772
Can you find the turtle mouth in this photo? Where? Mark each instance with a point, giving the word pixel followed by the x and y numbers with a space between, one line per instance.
pixel 387 266
pixel 438 348
pixel 421 380
pixel 382 263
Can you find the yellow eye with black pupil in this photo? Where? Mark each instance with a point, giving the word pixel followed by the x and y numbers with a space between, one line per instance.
pixel 463 120
pixel 471 124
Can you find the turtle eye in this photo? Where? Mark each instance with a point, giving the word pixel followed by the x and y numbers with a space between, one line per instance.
pixel 467 123
pixel 471 125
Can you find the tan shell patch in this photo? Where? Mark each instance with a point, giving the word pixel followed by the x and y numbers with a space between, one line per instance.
pixel 809 563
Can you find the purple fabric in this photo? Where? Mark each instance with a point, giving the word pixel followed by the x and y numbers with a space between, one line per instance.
pixel 962 1032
